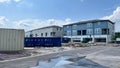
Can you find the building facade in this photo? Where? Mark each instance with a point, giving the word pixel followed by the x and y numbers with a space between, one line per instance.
pixel 96 30
pixel 50 31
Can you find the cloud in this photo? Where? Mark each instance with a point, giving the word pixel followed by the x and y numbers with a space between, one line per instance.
pixel 3 20
pixel 29 24
pixel 115 17
pixel 7 1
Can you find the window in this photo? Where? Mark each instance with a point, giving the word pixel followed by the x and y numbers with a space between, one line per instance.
pixel 74 31
pixel 99 23
pixel 83 32
pixel 89 24
pixel 97 30
pixel 65 33
pixel 89 31
pixel 68 33
pixel 52 33
pixel 58 29
pixel 26 35
pixel 31 35
pixel 105 31
pixel 45 34
pixel 74 26
pixel 36 35
pixel 79 32
pixel 41 34
pixel 67 26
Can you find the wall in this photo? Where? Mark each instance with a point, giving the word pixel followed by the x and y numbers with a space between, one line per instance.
pixel 11 39
pixel 45 30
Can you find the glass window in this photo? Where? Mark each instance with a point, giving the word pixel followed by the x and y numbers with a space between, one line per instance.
pixel 68 33
pixel 67 26
pixel 79 32
pixel 41 34
pixel 74 26
pixel 89 24
pixel 36 35
pixel 45 34
pixel 98 23
pixel 74 31
pixel 97 30
pixel 89 31
pixel 53 33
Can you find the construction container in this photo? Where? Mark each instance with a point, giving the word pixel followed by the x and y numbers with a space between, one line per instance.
pixel 45 41
pixel 11 39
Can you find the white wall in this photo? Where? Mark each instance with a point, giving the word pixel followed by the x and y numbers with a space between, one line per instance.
pixel 45 30
pixel 11 39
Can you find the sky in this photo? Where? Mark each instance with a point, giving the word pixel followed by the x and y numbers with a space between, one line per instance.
pixel 32 14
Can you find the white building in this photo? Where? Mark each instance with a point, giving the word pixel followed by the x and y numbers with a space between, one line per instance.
pixel 50 31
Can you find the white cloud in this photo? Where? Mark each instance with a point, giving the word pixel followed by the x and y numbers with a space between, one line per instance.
pixel 7 1
pixel 29 24
pixel 3 20
pixel 115 17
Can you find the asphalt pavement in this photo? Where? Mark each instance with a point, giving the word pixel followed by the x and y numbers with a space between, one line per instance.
pixel 107 56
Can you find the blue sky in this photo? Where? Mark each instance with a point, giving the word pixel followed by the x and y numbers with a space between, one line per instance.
pixel 30 14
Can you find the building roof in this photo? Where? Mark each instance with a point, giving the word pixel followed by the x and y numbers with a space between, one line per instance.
pixel 53 26
pixel 90 21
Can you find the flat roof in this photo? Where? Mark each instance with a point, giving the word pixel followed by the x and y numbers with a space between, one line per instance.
pixel 45 27
pixel 89 21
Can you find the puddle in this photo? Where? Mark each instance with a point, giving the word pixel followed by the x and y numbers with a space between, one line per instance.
pixel 68 62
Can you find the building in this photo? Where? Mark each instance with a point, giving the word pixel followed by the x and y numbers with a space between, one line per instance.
pixel 50 31
pixel 11 39
pixel 95 30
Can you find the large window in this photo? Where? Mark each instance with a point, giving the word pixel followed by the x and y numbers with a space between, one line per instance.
pixel 100 39
pixel 45 34
pixel 74 26
pixel 98 23
pixel 68 33
pixel 53 33
pixel 89 24
pixel 105 31
pixel 58 29
pixel 31 35
pixel 41 34
pixel 79 32
pixel 65 33
pixel 89 31
pixel 83 32
pixel 36 35
pixel 97 30
pixel 68 26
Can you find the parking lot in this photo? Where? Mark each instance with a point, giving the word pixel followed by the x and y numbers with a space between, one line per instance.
pixel 107 56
